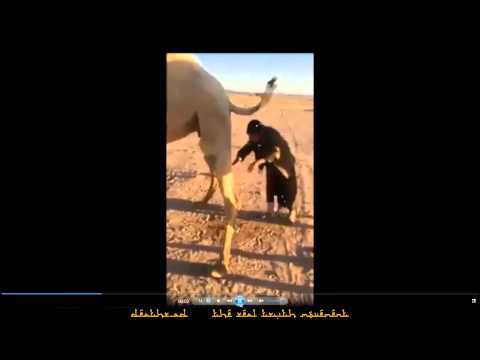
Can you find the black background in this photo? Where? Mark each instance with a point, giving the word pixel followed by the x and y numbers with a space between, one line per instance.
pixel 84 161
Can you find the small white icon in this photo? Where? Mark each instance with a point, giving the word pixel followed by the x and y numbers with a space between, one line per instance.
pixel 474 301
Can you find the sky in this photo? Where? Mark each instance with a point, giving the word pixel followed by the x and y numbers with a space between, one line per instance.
pixel 250 72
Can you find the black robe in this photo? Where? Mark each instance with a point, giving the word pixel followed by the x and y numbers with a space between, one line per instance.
pixel 277 185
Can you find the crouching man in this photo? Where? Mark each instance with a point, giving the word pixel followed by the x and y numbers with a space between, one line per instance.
pixel 273 153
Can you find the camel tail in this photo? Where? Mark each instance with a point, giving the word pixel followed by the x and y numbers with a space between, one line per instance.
pixel 264 100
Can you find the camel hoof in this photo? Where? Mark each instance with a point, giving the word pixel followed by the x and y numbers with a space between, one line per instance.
pixel 219 271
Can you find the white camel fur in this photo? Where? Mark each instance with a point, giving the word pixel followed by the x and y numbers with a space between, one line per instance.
pixel 197 102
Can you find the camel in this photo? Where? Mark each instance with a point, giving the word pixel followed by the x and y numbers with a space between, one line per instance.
pixel 197 102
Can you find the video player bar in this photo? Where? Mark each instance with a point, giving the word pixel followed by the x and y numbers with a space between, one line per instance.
pixel 238 301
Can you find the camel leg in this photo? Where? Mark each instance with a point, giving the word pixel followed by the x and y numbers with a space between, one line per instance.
pixel 231 208
pixel 210 192
pixel 213 183
pixel 215 143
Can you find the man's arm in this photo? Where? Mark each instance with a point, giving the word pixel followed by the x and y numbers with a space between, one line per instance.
pixel 275 151
pixel 270 149
pixel 252 165
pixel 273 155
pixel 243 152
pixel 273 159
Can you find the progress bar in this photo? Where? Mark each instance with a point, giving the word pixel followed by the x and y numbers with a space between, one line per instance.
pixel 49 294
pixel 163 294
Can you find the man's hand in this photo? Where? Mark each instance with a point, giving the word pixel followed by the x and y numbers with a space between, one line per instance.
pixel 261 166
pixel 236 160
pixel 274 156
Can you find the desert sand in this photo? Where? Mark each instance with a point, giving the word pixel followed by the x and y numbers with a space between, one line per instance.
pixel 269 257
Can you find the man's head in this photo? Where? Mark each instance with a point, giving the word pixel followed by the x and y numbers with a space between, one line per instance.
pixel 254 130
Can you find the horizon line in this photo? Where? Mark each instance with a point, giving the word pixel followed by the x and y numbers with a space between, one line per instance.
pixel 253 93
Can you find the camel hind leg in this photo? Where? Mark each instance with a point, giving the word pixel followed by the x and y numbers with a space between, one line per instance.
pixel 231 204
pixel 215 143
pixel 210 160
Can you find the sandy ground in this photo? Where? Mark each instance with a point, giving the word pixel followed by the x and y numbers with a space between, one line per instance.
pixel 269 257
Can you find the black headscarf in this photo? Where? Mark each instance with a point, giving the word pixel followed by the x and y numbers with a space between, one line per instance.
pixel 254 126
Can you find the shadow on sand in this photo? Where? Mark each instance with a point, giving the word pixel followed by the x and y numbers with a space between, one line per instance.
pixel 306 262
pixel 198 269
pixel 214 209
